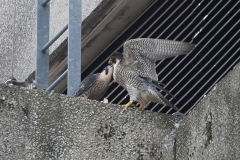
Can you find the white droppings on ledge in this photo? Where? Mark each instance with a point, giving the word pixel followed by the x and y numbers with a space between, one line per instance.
pixel 165 145
pixel 105 100
pixel 3 97
pixel 214 87
pixel 176 125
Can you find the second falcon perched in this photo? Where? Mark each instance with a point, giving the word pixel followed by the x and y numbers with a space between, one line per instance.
pixel 134 69
pixel 95 85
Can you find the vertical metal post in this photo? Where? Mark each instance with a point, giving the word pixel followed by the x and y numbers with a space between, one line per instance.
pixel 74 45
pixel 42 61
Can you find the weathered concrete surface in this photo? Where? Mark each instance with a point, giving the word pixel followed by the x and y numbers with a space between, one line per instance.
pixel 23 40
pixel 37 125
pixel 211 129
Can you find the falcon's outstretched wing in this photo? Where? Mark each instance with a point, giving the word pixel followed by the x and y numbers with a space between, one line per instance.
pixel 142 53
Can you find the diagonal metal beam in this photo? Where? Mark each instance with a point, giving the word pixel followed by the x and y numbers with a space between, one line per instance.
pixel 46 46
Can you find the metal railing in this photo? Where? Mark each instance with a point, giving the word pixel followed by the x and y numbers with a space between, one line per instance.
pixel 73 72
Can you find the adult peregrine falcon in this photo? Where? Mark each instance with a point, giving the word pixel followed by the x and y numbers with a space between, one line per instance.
pixel 95 85
pixel 134 69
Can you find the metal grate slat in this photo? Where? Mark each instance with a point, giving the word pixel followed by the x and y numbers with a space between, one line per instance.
pixel 102 54
pixel 211 25
pixel 204 55
pixel 207 71
pixel 155 21
pixel 229 67
pixel 165 29
pixel 196 54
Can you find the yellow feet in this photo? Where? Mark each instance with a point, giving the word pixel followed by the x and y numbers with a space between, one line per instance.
pixel 141 107
pixel 129 104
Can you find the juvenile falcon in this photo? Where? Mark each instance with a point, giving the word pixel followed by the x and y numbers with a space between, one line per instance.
pixel 95 85
pixel 134 69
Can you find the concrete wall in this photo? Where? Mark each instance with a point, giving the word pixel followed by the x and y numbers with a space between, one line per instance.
pixel 24 39
pixel 211 129
pixel 37 125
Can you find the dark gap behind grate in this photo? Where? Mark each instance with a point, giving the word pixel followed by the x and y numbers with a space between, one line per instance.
pixel 201 17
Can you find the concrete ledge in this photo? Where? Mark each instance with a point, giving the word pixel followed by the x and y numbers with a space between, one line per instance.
pixel 37 125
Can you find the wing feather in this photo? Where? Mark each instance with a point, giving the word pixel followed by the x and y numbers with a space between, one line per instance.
pixel 142 53
pixel 86 84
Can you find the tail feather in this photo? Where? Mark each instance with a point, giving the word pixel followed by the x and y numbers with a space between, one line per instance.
pixel 156 84
pixel 156 95
pixel 166 101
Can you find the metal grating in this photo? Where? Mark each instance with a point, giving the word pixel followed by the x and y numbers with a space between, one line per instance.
pixel 212 25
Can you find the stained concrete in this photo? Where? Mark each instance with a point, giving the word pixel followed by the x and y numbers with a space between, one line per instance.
pixel 38 125
pixel 211 129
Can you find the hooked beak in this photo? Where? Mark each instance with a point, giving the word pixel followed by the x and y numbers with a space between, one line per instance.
pixel 106 69
pixel 110 61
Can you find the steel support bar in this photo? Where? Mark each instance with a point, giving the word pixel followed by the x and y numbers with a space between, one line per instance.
pixel 74 45
pixel 57 81
pixel 45 2
pixel 42 59
pixel 46 46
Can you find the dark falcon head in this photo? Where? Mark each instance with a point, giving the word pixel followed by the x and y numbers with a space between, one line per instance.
pixel 115 58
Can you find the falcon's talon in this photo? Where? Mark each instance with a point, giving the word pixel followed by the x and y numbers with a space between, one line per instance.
pixel 141 107
pixel 129 104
